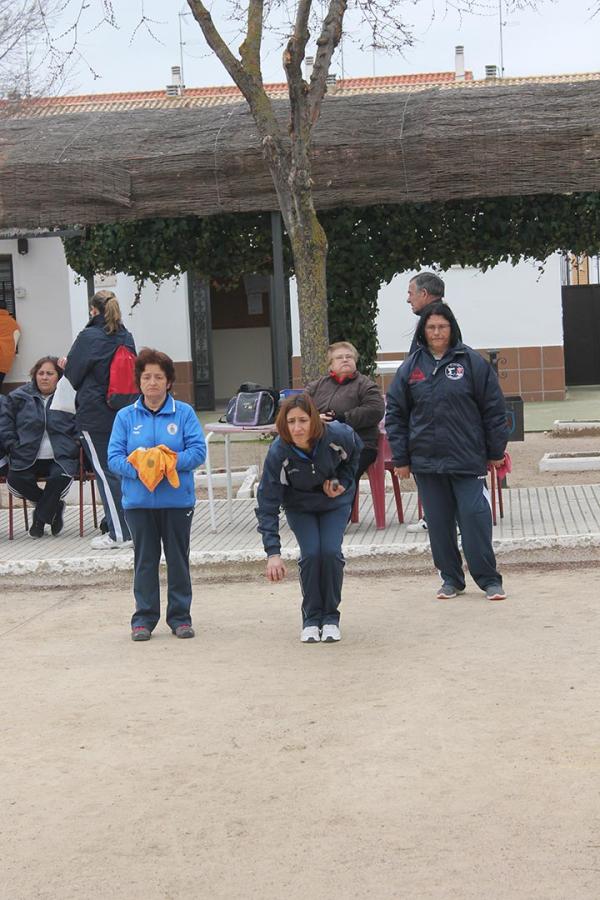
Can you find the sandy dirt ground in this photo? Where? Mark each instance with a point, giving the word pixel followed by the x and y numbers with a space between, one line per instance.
pixel 525 456
pixel 442 750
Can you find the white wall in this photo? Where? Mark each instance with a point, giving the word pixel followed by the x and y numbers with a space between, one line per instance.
pixel 504 307
pixel 161 320
pixel 44 313
pixel 241 354
pixel 55 307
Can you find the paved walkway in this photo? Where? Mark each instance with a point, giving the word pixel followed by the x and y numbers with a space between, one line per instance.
pixel 536 517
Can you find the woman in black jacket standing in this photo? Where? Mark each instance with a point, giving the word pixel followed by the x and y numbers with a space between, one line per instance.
pixel 40 443
pixel 87 367
pixel 446 422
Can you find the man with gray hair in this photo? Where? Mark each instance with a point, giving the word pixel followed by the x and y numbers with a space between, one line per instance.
pixel 424 290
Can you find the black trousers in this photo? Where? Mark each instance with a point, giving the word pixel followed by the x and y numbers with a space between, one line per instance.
pixel 22 483
pixel 151 528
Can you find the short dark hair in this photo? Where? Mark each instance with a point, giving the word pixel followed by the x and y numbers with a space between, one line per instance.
pixel 428 281
pixel 438 309
pixel 149 357
pixel 305 403
pixel 45 359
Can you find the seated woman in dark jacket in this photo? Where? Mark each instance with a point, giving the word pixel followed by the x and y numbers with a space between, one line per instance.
pixel 40 443
pixel 446 421
pixel 310 472
pixel 344 395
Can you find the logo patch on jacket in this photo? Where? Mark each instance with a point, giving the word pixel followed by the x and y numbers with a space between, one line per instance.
pixel 416 375
pixel 455 371
pixel 172 428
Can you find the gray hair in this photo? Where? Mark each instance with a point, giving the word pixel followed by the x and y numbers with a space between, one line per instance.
pixel 433 284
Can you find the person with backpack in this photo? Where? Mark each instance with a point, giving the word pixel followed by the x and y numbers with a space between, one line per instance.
pixel 90 366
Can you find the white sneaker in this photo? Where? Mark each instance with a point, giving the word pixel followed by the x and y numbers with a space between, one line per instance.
pixel 330 633
pixel 310 635
pixel 105 542
pixel 418 527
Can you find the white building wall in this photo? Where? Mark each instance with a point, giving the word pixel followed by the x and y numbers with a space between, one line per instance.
pixel 507 306
pixel 161 319
pixel 44 310
pixel 504 307
pixel 54 307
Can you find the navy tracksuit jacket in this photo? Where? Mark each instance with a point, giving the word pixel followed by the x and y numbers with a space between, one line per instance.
pixel 445 419
pixel 294 481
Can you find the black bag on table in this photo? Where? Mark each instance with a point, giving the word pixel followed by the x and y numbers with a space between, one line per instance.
pixel 252 405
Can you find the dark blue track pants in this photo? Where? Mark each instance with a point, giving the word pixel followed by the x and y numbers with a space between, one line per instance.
pixel 320 537
pixel 449 500
pixel 149 529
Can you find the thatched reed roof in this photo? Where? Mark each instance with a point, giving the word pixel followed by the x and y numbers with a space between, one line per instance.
pixel 441 143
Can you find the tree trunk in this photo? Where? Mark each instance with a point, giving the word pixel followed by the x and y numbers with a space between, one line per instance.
pixel 291 176
pixel 309 248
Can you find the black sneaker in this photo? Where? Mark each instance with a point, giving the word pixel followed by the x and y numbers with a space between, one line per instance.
pixel 57 523
pixel 184 631
pixel 37 528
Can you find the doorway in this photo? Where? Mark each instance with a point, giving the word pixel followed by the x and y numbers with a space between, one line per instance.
pixel 581 333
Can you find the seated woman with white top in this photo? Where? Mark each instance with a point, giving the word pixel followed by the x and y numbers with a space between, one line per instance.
pixel 40 443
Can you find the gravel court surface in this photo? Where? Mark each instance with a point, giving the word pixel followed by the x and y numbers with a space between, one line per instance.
pixel 442 750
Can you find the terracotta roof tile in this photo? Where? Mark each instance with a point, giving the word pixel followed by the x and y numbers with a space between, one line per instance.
pixel 225 94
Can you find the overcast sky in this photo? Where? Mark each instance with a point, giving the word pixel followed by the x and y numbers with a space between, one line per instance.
pixel 559 37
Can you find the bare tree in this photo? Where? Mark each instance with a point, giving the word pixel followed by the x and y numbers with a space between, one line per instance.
pixel 288 154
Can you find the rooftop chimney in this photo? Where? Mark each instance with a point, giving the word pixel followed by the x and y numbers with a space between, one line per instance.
pixel 459 63
pixel 330 81
pixel 491 72
pixel 309 62
pixel 175 89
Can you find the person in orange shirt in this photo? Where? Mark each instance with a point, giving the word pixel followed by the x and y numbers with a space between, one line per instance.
pixel 10 333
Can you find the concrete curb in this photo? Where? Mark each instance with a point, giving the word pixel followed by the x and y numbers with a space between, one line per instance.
pixel 115 569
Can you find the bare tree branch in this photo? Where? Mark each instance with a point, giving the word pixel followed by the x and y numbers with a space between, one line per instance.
pixel 328 40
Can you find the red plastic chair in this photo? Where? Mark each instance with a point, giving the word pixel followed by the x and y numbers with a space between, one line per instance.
pixel 376 473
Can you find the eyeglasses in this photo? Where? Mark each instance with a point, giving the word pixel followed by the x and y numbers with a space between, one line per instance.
pixel 433 328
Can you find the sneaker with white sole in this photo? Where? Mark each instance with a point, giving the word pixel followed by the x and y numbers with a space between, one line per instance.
pixel 419 527
pixel 448 591
pixel 105 542
pixel 310 635
pixel 330 633
pixel 495 592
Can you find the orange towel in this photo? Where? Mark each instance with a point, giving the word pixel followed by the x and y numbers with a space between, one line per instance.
pixel 170 463
pixel 153 464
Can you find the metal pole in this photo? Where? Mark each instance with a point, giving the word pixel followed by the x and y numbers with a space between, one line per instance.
pixel 280 349
pixel 181 15
pixel 501 39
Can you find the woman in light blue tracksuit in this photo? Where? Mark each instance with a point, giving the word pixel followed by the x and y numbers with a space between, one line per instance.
pixel 163 516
